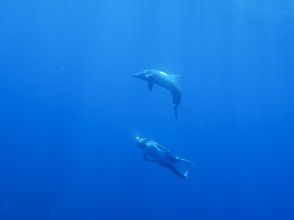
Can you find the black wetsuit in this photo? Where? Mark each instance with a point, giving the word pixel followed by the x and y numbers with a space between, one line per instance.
pixel 156 153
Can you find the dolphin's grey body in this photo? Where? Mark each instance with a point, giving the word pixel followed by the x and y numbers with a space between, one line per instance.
pixel 165 80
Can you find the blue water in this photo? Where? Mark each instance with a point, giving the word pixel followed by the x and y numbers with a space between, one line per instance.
pixel 69 110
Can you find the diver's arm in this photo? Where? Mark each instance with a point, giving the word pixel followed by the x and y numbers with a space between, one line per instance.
pixel 158 146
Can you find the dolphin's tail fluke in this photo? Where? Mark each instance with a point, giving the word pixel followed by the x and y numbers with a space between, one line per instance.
pixel 176 111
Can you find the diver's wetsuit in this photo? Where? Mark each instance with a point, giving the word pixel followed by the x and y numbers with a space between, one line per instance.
pixel 154 152
pixel 173 168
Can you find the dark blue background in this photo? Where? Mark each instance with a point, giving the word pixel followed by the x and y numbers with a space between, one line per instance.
pixel 69 110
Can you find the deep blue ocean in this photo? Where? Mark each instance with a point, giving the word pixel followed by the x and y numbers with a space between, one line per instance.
pixel 70 110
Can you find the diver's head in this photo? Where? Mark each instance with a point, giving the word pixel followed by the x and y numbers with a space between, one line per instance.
pixel 141 142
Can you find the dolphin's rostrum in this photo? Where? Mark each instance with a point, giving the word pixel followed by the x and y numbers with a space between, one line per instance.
pixel 165 80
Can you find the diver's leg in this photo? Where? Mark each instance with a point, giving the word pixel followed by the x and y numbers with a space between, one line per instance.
pixel 175 159
pixel 175 170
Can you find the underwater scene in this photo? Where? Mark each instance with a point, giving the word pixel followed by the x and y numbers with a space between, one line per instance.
pixel 146 110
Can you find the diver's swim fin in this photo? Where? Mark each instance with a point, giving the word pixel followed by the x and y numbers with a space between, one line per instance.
pixel 187 161
pixel 185 174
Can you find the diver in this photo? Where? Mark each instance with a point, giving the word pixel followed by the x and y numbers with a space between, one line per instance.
pixel 154 152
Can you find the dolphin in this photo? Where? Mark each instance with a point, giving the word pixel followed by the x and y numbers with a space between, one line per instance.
pixel 165 80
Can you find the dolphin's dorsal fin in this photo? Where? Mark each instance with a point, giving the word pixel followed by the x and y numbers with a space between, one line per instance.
pixel 177 76
pixel 150 85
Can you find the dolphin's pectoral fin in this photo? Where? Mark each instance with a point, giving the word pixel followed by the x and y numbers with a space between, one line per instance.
pixel 175 102
pixel 150 85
